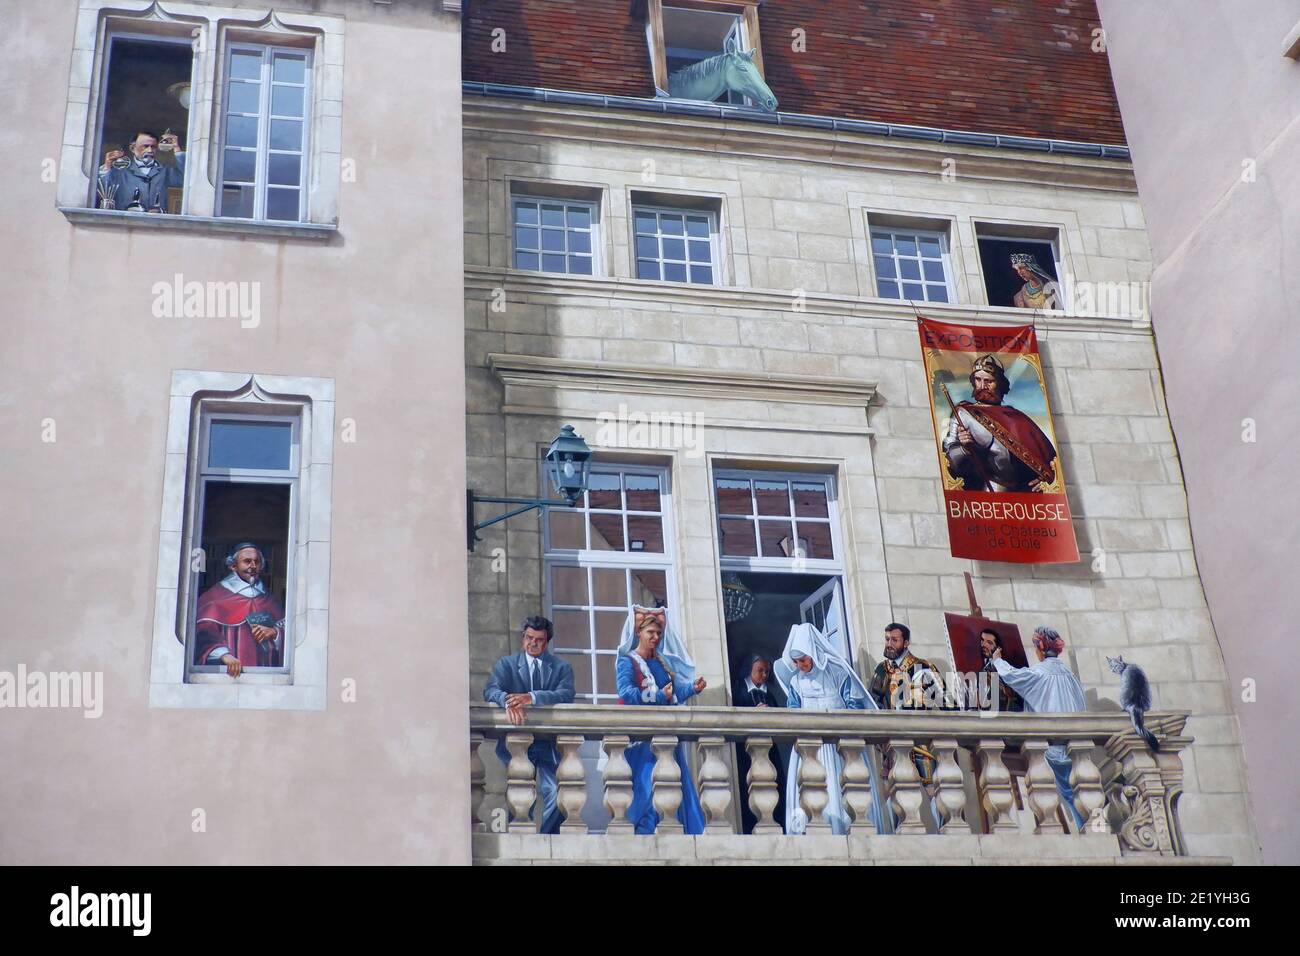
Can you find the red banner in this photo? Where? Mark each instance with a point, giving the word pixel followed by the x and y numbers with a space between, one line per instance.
pixel 1003 485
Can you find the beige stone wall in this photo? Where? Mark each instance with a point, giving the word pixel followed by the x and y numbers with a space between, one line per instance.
pixel 793 219
pixel 375 310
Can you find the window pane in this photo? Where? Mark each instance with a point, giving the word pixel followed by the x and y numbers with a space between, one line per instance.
pixel 286 134
pixel 674 272
pixel 647 247
pixel 237 201
pixel 810 500
pixel 645 269
pixel 552 215
pixel 242 444
pixel 645 533
pixel 671 225
pixel 526 260
pixel 649 587
pixel 579 217
pixel 571 629
pixel 771 534
pixel 885 267
pixel 733 496
pixel 702 275
pixel 888 290
pixel 933 270
pixel 645 222
pixel 697 226
pixel 287 68
pixel 241 131
pixel 566 529
pixel 239 166
pixel 909 268
pixel 245 66
pixel 817 539
pixel 906 245
pixel 553 240
pixel 581 664
pixel 642 492
pixel 603 491
pixel 580 265
pixel 568 585
pixel 937 293
pixel 737 537
pixel 606 675
pixel 607 532
pixel 930 246
pixel 609 587
pixel 282 204
pixel 911 291
pixel 526 213
pixel 283 169
pixel 881 244
pixel 580 242
pixel 287 100
pixel 552 263
pixel 772 497
pixel 525 238
pixel 674 249
pixel 243 97
pixel 609 628
pixel 701 251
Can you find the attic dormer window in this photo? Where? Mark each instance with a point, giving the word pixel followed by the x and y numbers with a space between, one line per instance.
pixel 686 34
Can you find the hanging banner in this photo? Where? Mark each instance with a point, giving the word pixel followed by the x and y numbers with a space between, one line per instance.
pixel 1003 486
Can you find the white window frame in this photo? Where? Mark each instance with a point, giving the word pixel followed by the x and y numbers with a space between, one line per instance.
pixel 111 36
pixel 207 475
pixel 593 210
pixel 263 151
pixel 197 397
pixel 945 254
pixel 588 558
pixel 683 211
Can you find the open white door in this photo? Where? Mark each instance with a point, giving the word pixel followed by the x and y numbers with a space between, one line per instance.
pixel 824 610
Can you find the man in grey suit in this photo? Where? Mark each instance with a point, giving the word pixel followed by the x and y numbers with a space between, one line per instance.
pixel 533 678
pixel 144 180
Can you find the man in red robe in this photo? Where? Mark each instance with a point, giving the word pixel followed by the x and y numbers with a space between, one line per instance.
pixel 994 447
pixel 238 623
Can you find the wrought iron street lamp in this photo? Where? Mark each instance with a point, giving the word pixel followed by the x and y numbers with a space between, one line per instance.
pixel 568 463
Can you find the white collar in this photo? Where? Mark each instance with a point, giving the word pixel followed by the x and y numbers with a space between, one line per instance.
pixel 233 582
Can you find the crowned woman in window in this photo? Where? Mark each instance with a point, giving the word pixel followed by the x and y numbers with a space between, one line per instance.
pixel 655 669
pixel 815 677
pixel 1040 290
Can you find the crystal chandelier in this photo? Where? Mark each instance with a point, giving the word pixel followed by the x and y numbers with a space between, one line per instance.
pixel 737 600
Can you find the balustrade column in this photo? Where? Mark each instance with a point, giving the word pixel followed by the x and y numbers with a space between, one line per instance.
pixel 477 783
pixel 950 798
pixel 764 794
pixel 856 784
pixel 1044 798
pixel 813 797
pixel 618 783
pixel 667 782
pixel 715 786
pixel 995 786
pixel 521 785
pixel 906 794
pixel 571 778
pixel 1085 781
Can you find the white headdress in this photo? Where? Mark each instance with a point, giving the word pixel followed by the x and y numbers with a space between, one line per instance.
pixel 806 641
pixel 671 648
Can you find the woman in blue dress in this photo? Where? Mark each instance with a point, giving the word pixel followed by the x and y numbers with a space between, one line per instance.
pixel 654 669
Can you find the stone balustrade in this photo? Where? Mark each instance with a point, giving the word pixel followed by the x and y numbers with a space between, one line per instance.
pixel 992 779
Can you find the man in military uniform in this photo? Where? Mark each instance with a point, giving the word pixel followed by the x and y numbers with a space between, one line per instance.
pixel 903 681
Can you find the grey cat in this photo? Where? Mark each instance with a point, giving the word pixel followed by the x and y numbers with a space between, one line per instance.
pixel 1134 695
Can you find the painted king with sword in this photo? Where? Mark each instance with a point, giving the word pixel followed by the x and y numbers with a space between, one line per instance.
pixel 991 446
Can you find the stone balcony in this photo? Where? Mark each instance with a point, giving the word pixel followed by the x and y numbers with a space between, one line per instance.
pixel 994 799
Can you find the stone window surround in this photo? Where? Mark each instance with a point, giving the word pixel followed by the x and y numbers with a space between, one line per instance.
pixel 210 28
pixel 945 228
pixel 818 442
pixel 688 200
pixel 985 227
pixel 192 393
pixel 594 194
